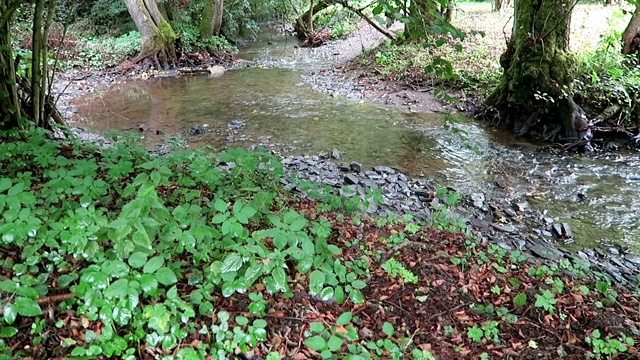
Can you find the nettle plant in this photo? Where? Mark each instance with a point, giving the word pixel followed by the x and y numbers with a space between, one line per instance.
pixel 122 233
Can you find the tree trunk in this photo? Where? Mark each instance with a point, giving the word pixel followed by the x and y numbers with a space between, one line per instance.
pixel 212 19
pixel 631 36
pixel 10 108
pixel 303 26
pixel 535 89
pixel 158 37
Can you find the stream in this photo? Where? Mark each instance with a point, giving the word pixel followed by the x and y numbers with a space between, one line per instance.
pixel 270 105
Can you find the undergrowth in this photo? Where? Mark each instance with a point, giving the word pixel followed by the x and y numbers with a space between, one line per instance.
pixel 117 252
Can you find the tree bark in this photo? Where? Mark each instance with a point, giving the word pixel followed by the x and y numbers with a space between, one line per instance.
pixel 212 19
pixel 631 36
pixel 301 25
pixel 10 108
pixel 158 37
pixel 535 90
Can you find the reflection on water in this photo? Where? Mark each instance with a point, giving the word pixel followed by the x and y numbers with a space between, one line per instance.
pixel 597 195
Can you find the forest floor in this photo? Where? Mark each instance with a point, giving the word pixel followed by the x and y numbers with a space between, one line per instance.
pixel 194 255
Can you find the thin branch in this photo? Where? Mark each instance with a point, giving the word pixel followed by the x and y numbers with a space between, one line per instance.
pixel 370 21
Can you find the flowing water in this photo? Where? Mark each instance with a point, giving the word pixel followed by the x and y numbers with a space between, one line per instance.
pixel 273 108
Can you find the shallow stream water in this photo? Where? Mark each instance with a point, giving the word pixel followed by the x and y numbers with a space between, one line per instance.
pixel 270 106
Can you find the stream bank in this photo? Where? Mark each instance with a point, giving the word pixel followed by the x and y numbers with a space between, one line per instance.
pixel 505 218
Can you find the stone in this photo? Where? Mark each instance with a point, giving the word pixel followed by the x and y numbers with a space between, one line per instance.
pixel 336 154
pixel 557 229
pixel 351 179
pixel 356 167
pixel 196 130
pixel 383 170
pixel 506 228
pixel 235 124
pixel 478 200
pixel 634 259
pixel 566 230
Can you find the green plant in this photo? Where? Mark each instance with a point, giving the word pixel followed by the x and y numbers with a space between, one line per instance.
pixel 608 347
pixel 396 269
pixel 547 301
pixel 489 331
pixel 440 218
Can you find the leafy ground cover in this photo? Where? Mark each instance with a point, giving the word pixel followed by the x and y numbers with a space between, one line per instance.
pixel 117 252
pixel 472 67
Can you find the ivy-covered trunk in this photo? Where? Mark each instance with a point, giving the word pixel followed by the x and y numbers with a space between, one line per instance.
pixel 212 18
pixel 535 91
pixel 158 37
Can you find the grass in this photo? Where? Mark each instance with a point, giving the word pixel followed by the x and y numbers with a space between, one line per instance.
pixel 477 64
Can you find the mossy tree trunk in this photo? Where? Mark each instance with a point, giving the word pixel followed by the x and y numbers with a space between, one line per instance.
pixel 10 108
pixel 631 35
pixel 535 92
pixel 27 96
pixel 211 22
pixel 158 37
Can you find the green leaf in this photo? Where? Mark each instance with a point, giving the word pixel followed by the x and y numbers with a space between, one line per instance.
pixel 520 300
pixel 118 289
pixel 242 320
pixel 5 183
pixel 280 279
pixel 344 318
pixel 316 327
pixel 148 283
pixel 166 276
pixel 27 307
pixel 335 343
pixel 327 293
pixel 334 249
pixel 316 343
pixel 298 224
pixel 356 296
pixel 220 205
pixel 316 282
pixel 16 189
pixel 233 262
pixel 305 264
pixel 27 291
pixel 137 259
pixel 10 313
pixel 153 264
pixel 8 286
pixel 220 218
pixel 388 329
pixel 7 331
pixel 359 284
